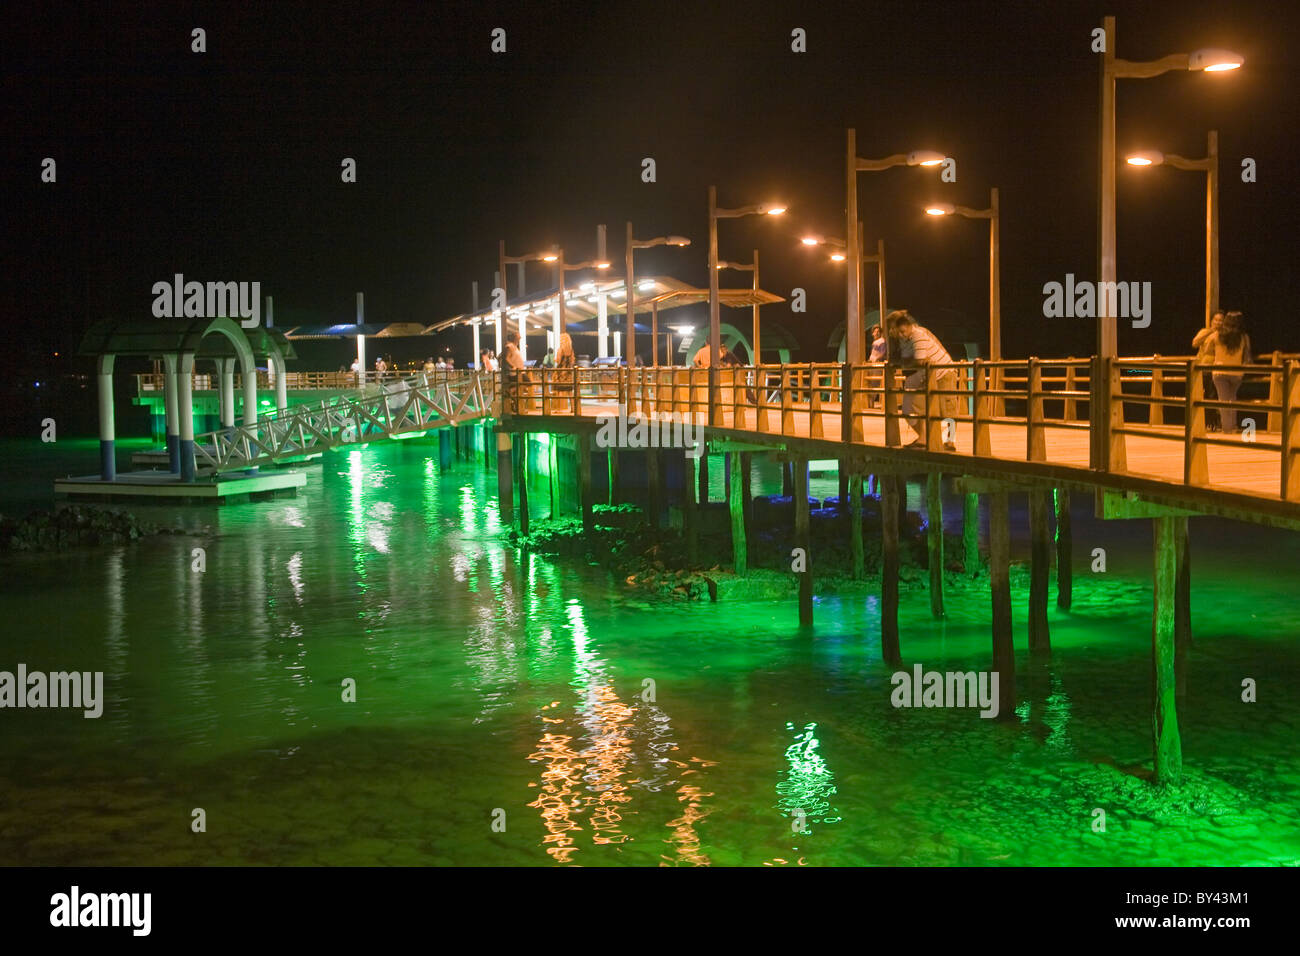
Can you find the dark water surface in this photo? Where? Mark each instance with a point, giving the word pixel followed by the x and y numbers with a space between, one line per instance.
pixel 489 682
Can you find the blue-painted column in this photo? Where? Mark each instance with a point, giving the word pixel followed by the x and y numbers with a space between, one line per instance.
pixel 107 458
pixel 170 415
pixel 185 414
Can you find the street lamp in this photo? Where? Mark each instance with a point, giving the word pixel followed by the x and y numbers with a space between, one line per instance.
pixel 630 245
pixel 1210 166
pixel 755 341
pixel 839 255
pixel 1208 60
pixel 995 285
pixel 854 165
pixel 502 260
pixel 715 317
pixel 561 320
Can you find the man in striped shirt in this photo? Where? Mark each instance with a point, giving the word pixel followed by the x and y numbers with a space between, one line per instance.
pixel 916 346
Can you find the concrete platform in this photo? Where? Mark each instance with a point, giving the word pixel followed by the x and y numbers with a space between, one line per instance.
pixel 158 459
pixel 163 485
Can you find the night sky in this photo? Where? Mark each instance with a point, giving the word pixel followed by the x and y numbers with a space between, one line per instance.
pixel 225 165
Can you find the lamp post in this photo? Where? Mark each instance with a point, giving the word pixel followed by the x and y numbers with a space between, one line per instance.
pixel 630 280
pixel 755 342
pixel 995 284
pixel 842 256
pixel 1207 60
pixel 502 259
pixel 1113 68
pixel 853 166
pixel 561 320
pixel 715 318
pixel 1210 166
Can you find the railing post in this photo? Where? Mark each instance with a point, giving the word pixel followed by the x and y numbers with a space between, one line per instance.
pixel 1195 464
pixel 892 437
pixel 1290 432
pixel 816 427
pixel 1275 393
pixel 787 415
pixel 1035 435
pixel 846 403
pixel 933 426
pixel 1157 413
pixel 983 447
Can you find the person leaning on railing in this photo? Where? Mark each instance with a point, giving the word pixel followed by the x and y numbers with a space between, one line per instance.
pixel 879 353
pixel 1204 356
pixel 1229 345
pixel 566 358
pixel 515 377
pixel 917 348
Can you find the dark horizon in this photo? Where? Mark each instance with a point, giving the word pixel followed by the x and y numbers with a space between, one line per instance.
pixel 225 165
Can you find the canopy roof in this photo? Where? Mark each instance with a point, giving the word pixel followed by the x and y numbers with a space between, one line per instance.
pixel 153 337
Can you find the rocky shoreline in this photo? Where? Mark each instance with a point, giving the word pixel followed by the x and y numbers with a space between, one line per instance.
pixel 73 527
pixel 655 561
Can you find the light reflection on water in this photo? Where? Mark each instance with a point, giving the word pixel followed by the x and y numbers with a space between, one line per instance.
pixel 490 678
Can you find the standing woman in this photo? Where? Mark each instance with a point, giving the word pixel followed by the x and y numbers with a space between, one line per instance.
pixel 1229 346
pixel 565 358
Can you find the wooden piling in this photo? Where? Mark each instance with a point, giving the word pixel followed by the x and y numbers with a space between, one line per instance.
pixel 1182 605
pixel 444 449
pixel 584 483
pixel 655 482
pixel 855 526
pixel 1064 551
pixel 505 487
pixel 970 534
pixel 1040 559
pixel 889 648
pixel 801 540
pixel 611 463
pixel 520 443
pixel 736 505
pixel 746 484
pixel 1004 658
pixel 690 520
pixel 1164 721
pixel 934 538
pixel 787 480
pixel 704 477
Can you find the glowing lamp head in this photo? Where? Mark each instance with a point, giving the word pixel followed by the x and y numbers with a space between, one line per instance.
pixel 939 209
pixel 550 257
pixel 678 241
pixel 771 209
pixel 1146 157
pixel 812 240
pixel 602 265
pixel 837 257
pixel 1212 60
pixel 925 157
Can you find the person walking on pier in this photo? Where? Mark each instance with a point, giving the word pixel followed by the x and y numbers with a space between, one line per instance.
pixel 1229 346
pixel 879 353
pixel 918 348
pixel 566 358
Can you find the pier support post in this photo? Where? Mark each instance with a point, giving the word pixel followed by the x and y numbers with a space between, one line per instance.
pixel 521 478
pixel 1182 605
pixel 611 466
pixel 444 449
pixel 1040 558
pixel 855 526
pixel 787 480
pixel 801 540
pixel 485 433
pixel 690 520
pixel 970 534
pixel 889 494
pixel 1064 551
pixel 726 475
pixel 226 370
pixel 505 480
pixel 934 538
pixel 655 486
pixel 704 475
pixel 584 483
pixel 746 466
pixel 1004 658
pixel 1164 721
pixel 736 504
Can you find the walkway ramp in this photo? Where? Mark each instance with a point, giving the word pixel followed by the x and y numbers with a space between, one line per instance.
pixel 376 413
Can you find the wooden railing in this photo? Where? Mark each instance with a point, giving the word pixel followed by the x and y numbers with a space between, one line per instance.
pixel 1149 397
pixel 302 381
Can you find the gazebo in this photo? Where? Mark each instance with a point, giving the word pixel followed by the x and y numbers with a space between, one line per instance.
pixel 179 343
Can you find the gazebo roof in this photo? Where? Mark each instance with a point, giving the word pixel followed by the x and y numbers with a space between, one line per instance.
pixel 152 337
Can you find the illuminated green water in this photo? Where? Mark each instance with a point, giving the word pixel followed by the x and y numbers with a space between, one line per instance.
pixel 487 680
